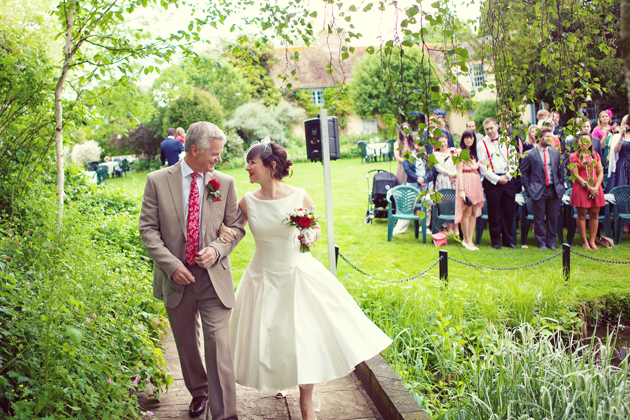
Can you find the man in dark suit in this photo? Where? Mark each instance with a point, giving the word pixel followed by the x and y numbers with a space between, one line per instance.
pixel 543 179
pixel 171 148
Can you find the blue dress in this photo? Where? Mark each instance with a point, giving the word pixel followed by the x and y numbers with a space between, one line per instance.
pixel 621 176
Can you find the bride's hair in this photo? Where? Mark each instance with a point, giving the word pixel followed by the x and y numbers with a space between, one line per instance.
pixel 272 152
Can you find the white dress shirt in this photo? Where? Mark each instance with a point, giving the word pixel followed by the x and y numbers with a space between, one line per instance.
pixel 501 159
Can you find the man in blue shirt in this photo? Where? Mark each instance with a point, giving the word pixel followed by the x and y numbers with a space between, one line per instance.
pixel 171 148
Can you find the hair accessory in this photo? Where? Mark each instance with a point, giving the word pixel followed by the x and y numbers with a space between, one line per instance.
pixel 262 149
pixel 609 111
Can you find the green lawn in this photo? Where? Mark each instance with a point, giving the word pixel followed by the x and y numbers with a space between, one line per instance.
pixel 367 247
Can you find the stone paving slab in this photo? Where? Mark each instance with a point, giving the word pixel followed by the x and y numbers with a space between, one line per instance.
pixel 341 399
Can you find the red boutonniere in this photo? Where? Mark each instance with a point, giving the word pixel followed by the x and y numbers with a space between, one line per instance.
pixel 213 190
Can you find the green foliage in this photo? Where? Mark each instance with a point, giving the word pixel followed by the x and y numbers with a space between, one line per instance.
pixel 26 120
pixel 397 84
pixel 483 110
pixel 254 121
pixel 215 76
pixel 79 328
pixel 202 106
pixel 253 58
pixel 143 141
pixel 115 110
pixel 337 104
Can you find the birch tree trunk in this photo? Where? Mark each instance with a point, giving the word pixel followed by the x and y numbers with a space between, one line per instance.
pixel 68 54
pixel 624 42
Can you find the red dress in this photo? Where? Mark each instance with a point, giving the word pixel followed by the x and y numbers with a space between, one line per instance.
pixel 579 195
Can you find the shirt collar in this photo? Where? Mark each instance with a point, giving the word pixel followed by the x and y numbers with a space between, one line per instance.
pixel 186 170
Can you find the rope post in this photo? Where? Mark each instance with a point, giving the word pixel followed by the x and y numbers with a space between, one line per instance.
pixel 336 255
pixel 566 261
pixel 443 265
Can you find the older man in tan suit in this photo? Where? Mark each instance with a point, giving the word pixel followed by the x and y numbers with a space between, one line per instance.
pixel 182 209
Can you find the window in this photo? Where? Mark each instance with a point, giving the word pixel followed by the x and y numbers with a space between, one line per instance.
pixel 318 97
pixel 368 126
pixel 476 71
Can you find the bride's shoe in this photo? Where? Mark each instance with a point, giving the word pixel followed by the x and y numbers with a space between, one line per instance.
pixel 282 394
pixel 317 405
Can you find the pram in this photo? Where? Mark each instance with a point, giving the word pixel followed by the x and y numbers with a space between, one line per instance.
pixel 377 196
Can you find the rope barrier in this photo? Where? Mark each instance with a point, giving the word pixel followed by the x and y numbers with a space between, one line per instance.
pixel 599 259
pixel 390 281
pixel 506 268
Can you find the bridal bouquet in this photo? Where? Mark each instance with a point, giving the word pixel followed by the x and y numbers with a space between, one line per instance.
pixel 302 219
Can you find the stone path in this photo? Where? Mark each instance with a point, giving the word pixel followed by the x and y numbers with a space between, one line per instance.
pixel 341 399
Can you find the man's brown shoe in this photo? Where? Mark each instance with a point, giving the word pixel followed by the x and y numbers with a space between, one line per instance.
pixel 197 406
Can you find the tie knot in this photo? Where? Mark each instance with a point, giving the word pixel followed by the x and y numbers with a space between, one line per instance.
pixel 194 176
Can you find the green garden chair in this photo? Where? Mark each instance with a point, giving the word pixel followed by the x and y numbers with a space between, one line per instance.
pixel 444 211
pixel 621 209
pixel 365 155
pixel 392 147
pixel 404 199
pixel 101 176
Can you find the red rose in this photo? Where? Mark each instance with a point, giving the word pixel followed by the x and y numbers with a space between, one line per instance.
pixel 215 184
pixel 295 219
pixel 218 199
pixel 305 222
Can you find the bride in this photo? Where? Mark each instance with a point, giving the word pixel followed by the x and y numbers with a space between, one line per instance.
pixel 293 323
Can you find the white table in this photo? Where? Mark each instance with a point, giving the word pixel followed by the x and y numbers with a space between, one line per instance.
pixel 377 149
pixel 111 167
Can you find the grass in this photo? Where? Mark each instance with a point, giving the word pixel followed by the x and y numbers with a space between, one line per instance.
pixel 367 247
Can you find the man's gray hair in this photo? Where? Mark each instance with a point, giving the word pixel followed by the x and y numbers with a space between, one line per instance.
pixel 201 133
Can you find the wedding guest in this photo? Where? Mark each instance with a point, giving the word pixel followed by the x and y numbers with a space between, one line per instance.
pixel 498 184
pixel 180 134
pixel 558 130
pixel 541 116
pixel 555 140
pixel 615 126
pixel 587 195
pixel 602 134
pixel 619 160
pixel 406 144
pixel 543 179
pixel 469 202
pixel 170 148
pixel 472 126
pixel 446 172
pixel 531 138
pixel 418 176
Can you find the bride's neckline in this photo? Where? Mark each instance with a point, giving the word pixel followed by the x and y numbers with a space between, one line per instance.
pixel 275 199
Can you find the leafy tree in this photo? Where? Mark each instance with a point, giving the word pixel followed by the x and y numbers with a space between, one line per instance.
pixel 483 110
pixel 114 110
pixel 337 102
pixel 217 77
pixel 202 106
pixel 396 84
pixel 254 58
pixel 143 141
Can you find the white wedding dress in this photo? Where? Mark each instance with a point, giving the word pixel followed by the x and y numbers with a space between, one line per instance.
pixel 293 322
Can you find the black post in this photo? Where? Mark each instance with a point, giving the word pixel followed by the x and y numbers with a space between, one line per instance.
pixel 566 261
pixel 336 255
pixel 443 265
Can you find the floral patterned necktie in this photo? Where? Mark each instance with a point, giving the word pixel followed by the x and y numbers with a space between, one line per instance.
pixel 192 230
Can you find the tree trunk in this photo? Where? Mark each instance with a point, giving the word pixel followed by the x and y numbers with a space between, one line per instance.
pixel 624 42
pixel 59 115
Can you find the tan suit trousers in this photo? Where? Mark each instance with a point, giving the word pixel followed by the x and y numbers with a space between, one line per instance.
pixel 201 312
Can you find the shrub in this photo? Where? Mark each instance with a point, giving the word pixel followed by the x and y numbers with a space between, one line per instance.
pixel 255 121
pixel 79 328
pixel 201 106
pixel 483 110
pixel 86 152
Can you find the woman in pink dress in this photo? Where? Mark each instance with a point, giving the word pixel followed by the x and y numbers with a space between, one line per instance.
pixel 468 188
pixel 405 140
pixel 587 195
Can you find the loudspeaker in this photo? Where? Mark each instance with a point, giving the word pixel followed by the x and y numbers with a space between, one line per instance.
pixel 314 139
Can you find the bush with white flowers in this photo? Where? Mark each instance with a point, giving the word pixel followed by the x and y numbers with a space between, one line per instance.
pixel 86 152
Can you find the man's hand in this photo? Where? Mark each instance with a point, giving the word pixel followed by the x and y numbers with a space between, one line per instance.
pixel 503 180
pixel 183 276
pixel 206 257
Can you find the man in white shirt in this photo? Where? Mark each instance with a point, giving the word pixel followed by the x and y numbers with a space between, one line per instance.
pixel 498 185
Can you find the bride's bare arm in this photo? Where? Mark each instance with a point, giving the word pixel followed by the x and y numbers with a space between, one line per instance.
pixel 227 235
pixel 317 232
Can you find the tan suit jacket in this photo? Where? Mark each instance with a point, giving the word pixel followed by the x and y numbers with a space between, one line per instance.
pixel 163 231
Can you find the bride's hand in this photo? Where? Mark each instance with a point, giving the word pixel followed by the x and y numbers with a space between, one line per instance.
pixel 306 239
pixel 226 235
